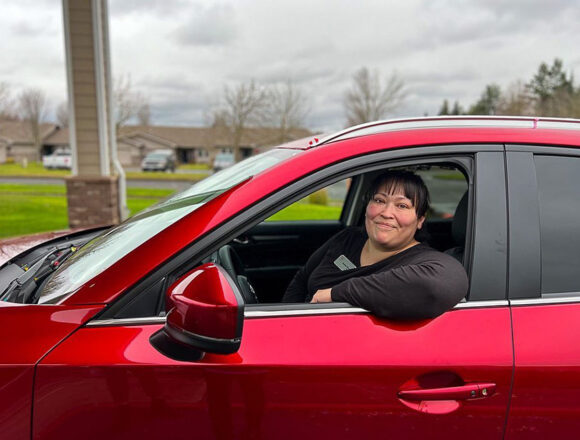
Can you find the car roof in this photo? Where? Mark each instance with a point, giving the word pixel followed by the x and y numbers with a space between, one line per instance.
pixel 475 121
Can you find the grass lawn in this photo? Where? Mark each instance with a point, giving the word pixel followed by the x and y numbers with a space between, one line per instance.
pixel 307 211
pixel 27 209
pixel 194 166
pixel 35 169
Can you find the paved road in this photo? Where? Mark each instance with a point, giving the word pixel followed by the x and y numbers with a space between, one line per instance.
pixel 178 185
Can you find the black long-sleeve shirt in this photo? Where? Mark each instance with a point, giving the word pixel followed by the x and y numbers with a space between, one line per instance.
pixel 416 283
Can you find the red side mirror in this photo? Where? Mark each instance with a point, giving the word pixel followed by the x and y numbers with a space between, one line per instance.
pixel 206 312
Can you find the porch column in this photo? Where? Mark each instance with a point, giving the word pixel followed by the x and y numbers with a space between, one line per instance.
pixel 96 189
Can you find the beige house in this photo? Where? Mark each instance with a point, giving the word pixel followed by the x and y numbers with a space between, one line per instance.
pixel 190 144
pixel 17 142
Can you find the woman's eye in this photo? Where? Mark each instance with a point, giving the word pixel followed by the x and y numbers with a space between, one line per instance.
pixel 378 201
pixel 403 206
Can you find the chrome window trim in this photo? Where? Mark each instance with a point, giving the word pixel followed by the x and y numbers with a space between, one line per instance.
pixel 252 314
pixel 545 301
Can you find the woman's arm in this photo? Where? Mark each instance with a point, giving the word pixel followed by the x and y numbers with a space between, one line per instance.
pixel 416 291
pixel 297 290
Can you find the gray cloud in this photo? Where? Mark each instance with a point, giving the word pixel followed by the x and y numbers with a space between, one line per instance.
pixel 121 8
pixel 209 26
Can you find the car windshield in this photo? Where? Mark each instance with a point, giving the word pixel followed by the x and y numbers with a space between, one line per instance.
pixel 105 250
pixel 157 156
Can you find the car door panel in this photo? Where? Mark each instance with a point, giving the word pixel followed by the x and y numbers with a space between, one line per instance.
pixel 546 381
pixel 29 332
pixel 309 376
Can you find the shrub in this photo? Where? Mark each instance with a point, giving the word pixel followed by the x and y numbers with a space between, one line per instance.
pixel 318 198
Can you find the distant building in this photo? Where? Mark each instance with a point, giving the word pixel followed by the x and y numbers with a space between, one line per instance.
pixel 17 142
pixel 190 144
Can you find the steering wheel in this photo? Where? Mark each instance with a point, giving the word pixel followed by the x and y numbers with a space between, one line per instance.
pixel 228 258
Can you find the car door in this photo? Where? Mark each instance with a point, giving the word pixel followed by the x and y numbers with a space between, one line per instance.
pixel 544 290
pixel 305 370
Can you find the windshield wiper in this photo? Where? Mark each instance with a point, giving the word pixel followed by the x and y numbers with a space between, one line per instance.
pixel 22 289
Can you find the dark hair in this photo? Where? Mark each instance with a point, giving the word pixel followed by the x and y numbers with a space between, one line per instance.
pixel 412 185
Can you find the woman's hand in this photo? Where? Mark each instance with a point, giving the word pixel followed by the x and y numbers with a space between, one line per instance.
pixel 322 296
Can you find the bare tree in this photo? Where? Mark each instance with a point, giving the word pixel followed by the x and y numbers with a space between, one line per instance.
pixel 7 110
pixel 62 117
pixel 516 101
pixel 32 109
pixel 128 103
pixel 243 105
pixel 368 100
pixel 144 114
pixel 287 108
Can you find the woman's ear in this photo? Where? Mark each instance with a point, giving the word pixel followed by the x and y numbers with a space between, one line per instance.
pixel 420 222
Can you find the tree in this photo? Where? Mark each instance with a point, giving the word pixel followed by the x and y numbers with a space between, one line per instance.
pixel 444 110
pixel 552 90
pixel 144 114
pixel 489 101
pixel 457 109
pixel 516 101
pixel 367 100
pixel 62 116
pixel 7 110
pixel 287 108
pixel 32 109
pixel 128 103
pixel 243 105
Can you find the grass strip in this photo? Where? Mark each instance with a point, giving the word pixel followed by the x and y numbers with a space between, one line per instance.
pixel 28 209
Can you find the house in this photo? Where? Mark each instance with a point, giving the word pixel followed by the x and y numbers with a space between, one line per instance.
pixel 190 144
pixel 17 141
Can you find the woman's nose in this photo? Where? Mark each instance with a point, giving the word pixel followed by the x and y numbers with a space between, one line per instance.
pixel 387 210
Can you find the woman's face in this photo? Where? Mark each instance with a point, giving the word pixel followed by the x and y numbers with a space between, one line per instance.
pixel 391 220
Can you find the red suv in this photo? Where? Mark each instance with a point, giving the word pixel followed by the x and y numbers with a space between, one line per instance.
pixel 171 324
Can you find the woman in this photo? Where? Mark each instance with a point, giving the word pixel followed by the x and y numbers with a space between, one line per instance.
pixel 383 268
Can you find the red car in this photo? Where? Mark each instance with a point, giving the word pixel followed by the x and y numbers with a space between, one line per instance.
pixel 152 329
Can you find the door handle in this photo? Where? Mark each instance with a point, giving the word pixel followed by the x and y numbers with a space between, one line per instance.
pixel 463 392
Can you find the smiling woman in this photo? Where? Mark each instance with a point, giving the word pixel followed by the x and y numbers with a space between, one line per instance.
pixel 377 267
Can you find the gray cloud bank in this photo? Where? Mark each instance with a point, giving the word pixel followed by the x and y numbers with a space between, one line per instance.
pixel 181 52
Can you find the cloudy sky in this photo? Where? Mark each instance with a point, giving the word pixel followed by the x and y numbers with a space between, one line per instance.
pixel 180 53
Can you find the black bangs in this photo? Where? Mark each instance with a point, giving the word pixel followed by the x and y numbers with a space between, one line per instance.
pixel 411 184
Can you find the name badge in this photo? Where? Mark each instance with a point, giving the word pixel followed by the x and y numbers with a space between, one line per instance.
pixel 344 263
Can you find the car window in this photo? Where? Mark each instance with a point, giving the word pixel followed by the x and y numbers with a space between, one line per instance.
pixel 446 186
pixel 559 203
pixel 324 204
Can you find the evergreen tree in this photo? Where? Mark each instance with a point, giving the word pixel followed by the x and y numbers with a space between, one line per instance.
pixel 444 110
pixel 552 90
pixel 489 101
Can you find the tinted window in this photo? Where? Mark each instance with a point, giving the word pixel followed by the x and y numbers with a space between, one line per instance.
pixel 559 200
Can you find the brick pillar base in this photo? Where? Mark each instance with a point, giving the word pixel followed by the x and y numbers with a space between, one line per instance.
pixel 92 201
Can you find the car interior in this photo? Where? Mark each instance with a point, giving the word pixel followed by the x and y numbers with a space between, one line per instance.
pixel 263 259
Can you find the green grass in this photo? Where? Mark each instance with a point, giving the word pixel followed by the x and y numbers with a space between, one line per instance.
pixel 152 175
pixel 26 214
pixel 27 209
pixel 307 211
pixel 35 169
pixel 194 166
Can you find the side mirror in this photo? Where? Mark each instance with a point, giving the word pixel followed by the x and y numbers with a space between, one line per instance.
pixel 205 314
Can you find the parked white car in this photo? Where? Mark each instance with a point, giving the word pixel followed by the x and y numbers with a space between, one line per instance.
pixel 60 159
pixel 223 160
